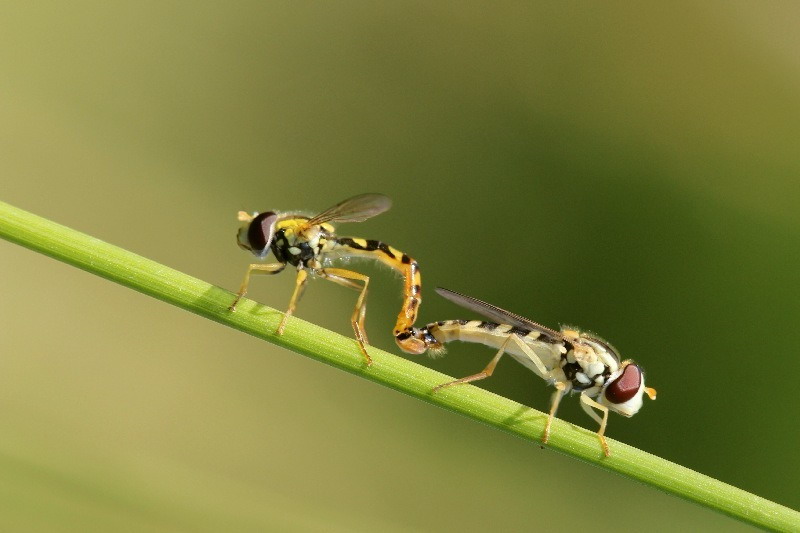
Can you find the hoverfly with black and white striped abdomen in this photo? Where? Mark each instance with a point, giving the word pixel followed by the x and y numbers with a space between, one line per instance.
pixel 310 245
pixel 571 360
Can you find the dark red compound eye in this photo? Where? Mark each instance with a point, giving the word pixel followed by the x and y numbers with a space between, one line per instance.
pixel 626 386
pixel 260 232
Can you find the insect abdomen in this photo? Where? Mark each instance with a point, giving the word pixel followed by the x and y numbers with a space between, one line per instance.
pixel 406 336
pixel 436 334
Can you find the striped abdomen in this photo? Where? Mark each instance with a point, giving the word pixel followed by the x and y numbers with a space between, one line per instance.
pixel 406 336
pixel 436 334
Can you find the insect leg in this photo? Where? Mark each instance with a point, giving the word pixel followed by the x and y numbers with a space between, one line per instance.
pixel 299 285
pixel 348 278
pixel 483 374
pixel 557 395
pixel 545 374
pixel 257 268
pixel 587 404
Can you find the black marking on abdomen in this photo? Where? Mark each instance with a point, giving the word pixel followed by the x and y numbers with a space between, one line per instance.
pixel 445 323
pixel 347 241
pixel 424 334
pixel 488 326
pixel 548 339
pixel 516 330
pixel 371 245
pixel 383 247
pixel 427 336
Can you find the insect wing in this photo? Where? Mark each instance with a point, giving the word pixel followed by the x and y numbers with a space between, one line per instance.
pixel 495 313
pixel 355 209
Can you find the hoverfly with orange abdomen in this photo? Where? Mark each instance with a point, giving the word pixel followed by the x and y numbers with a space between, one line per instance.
pixel 310 245
pixel 571 360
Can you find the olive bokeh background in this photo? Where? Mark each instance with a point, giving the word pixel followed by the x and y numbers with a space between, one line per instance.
pixel 632 170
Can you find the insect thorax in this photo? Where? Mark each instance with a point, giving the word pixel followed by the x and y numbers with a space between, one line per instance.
pixel 583 368
pixel 299 246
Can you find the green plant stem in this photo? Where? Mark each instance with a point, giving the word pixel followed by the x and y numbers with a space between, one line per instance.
pixel 212 302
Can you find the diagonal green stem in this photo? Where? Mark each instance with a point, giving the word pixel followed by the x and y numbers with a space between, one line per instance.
pixel 212 302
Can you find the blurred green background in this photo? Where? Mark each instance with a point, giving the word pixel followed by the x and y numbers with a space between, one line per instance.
pixel 630 170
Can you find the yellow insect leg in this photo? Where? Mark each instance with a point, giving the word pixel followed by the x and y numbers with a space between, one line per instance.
pixel 257 268
pixel 587 404
pixel 348 278
pixel 299 285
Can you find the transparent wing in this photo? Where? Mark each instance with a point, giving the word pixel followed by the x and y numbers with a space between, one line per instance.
pixel 355 209
pixel 495 313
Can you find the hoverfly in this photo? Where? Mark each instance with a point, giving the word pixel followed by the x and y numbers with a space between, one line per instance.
pixel 573 361
pixel 310 245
